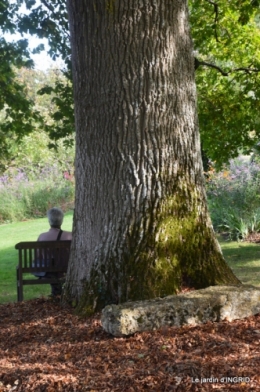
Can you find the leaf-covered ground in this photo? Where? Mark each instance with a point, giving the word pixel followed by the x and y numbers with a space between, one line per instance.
pixel 253 237
pixel 44 347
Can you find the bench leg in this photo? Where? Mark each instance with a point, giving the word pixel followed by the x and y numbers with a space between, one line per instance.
pixel 19 283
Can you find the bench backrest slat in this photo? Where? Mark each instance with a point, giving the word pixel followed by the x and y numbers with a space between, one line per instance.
pixel 43 244
pixel 39 255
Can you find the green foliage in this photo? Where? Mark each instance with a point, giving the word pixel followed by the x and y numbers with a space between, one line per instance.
pixel 233 197
pixel 61 125
pixel 226 36
pixel 47 20
pixel 19 114
pixel 28 188
pixel 34 146
pixel 239 228
pixel 7 10
pixel 51 21
pixel 24 196
pixel 16 110
pixel 33 155
pixel 236 227
pixel 226 40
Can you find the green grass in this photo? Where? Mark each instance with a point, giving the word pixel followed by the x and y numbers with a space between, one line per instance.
pixel 243 258
pixel 11 234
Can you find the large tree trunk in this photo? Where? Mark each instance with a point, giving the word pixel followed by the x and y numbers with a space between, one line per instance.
pixel 141 224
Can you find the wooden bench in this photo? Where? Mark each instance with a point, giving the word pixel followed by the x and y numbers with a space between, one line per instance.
pixel 32 258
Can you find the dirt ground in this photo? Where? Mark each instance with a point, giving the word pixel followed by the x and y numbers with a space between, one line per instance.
pixel 45 347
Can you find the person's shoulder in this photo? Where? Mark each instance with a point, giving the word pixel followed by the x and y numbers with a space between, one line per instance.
pixel 42 236
pixel 66 235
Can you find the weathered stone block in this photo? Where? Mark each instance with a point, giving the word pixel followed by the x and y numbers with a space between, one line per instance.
pixel 214 303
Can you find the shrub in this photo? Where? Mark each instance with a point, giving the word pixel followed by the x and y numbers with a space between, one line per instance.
pixel 233 198
pixel 23 197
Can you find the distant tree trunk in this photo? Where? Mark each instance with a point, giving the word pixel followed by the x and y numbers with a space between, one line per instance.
pixel 141 224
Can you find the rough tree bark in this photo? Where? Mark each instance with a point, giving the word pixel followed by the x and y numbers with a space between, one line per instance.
pixel 141 224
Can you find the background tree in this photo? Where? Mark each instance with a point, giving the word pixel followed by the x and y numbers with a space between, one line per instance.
pixel 50 21
pixel 18 114
pixel 16 111
pixel 32 151
pixel 226 40
pixel 141 225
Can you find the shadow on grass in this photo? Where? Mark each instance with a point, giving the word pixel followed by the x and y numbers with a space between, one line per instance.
pixel 244 259
pixel 242 253
pixel 247 275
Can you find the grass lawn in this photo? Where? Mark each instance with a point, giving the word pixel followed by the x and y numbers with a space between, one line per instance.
pixel 243 258
pixel 11 234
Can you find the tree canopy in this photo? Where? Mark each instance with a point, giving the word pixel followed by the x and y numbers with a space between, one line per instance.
pixel 226 42
pixel 16 111
pixel 19 114
pixel 227 39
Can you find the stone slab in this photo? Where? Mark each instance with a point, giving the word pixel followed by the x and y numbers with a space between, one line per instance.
pixel 214 303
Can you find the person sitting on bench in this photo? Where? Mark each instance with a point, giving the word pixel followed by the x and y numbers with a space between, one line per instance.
pixel 55 218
